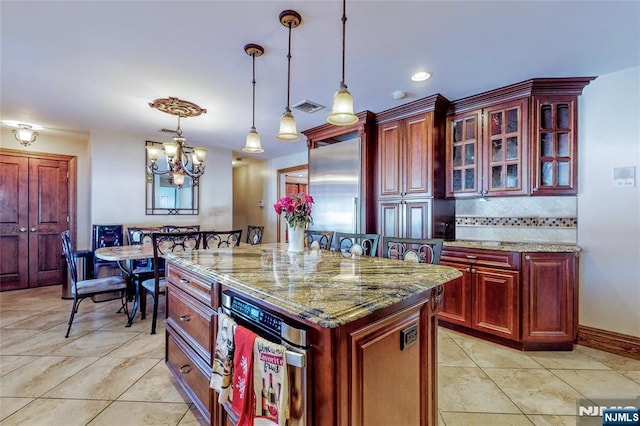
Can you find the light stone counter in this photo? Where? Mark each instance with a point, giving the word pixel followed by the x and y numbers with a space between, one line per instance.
pixel 511 246
pixel 320 286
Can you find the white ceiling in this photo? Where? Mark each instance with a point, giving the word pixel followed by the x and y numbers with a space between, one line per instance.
pixel 83 66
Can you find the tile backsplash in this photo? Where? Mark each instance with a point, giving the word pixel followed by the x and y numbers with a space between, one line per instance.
pixel 518 219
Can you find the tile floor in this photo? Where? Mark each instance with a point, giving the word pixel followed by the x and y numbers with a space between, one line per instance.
pixel 106 374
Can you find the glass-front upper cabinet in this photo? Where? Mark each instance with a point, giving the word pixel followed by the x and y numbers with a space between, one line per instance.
pixel 487 151
pixel 554 146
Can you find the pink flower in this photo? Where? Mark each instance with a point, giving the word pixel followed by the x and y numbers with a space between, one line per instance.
pixel 296 209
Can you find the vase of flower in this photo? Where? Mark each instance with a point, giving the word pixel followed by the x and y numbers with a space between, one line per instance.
pixel 296 209
pixel 296 239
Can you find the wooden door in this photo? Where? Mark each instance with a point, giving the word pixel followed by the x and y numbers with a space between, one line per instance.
pixel 36 190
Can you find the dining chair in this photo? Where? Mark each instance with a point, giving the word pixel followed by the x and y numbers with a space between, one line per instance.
pixel 323 238
pixel 254 234
pixel 217 239
pixel 141 269
pixel 181 228
pixel 163 243
pixel 413 249
pixel 82 289
pixel 368 243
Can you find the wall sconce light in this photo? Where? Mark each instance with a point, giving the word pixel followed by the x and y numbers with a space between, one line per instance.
pixel 25 134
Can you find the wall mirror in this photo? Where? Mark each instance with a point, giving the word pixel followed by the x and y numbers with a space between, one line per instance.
pixel 163 197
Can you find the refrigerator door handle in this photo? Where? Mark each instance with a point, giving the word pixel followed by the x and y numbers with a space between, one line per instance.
pixel 356 215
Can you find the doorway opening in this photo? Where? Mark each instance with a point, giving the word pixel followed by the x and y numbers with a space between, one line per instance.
pixel 292 180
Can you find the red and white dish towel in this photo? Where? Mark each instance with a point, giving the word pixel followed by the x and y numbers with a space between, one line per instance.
pixel 270 382
pixel 242 400
pixel 223 358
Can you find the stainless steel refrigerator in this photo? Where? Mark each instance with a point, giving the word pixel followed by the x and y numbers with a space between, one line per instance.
pixel 334 184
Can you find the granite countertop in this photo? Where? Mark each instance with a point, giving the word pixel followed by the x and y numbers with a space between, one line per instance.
pixel 513 246
pixel 320 286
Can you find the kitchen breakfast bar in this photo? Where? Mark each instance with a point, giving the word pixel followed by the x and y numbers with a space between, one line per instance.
pixel 360 333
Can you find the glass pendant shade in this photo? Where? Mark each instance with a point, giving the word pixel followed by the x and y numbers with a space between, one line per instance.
pixel 252 143
pixel 200 153
pixel 288 131
pixel 342 110
pixel 170 149
pixel 178 179
pixel 153 152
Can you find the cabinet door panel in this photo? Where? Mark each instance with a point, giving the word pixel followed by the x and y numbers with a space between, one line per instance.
pixel 390 158
pixel 390 214
pixel 456 299
pixel 418 156
pixel 496 307
pixel 549 301
pixel 417 216
pixel 463 141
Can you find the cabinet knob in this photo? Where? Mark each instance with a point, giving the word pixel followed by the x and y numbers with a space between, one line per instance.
pixel 535 188
pixel 470 256
pixel 184 281
pixel 185 318
pixel 185 369
pixel 23 229
pixel 527 257
pixel 34 229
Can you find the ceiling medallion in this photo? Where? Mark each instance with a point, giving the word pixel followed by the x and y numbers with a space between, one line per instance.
pixel 177 107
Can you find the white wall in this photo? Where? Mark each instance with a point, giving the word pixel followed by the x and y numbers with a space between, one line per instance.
pixel 608 217
pixel 118 185
pixel 70 144
pixel 258 181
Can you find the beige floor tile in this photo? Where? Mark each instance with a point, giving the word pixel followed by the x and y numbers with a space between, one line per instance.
pixel 467 389
pixel 143 345
pixel 8 363
pixel 11 316
pixel 141 413
pixel 633 375
pixel 567 359
pixel 536 391
pixel 96 343
pixel 193 418
pixel 41 375
pixel 613 361
pixel 47 412
pixel 107 378
pixel 9 337
pixel 8 406
pixel 600 384
pixel 486 354
pixel 43 321
pixel 450 354
pixel 548 420
pixel 484 419
pixel 39 343
pixel 97 319
pixel 158 385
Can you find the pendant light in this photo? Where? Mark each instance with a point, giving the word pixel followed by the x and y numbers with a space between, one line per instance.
pixel 288 132
pixel 252 144
pixel 342 110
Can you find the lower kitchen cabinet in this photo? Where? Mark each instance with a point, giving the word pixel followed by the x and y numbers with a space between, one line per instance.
pixel 527 300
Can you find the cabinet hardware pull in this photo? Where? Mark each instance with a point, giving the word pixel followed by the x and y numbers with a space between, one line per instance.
pixel 473 271
pixel 185 369
pixel 185 318
pixel 34 229
pixel 184 281
pixel 535 188
pixel 468 269
pixel 23 229
pixel 527 257
pixel 470 256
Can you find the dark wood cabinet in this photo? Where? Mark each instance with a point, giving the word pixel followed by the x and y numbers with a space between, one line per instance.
pixel 526 300
pixel 516 140
pixel 410 171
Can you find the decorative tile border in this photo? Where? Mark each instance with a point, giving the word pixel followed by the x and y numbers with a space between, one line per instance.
pixel 529 222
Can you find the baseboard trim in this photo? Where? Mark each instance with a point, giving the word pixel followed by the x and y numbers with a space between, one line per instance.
pixel 609 341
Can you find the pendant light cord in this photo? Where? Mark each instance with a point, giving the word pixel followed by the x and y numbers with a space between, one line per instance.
pixel 344 35
pixel 289 69
pixel 253 81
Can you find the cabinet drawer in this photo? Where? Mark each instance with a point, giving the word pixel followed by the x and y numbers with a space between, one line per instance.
pixel 193 285
pixel 193 320
pixel 190 372
pixel 481 257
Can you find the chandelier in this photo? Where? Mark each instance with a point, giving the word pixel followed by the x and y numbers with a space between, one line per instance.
pixel 182 160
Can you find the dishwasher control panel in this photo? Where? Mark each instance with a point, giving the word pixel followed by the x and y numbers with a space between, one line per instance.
pixel 257 315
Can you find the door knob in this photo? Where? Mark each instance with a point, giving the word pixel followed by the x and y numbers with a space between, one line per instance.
pixel 23 229
pixel 34 229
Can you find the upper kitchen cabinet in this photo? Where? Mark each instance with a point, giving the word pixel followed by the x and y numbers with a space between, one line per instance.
pixel 328 134
pixel 411 171
pixel 516 140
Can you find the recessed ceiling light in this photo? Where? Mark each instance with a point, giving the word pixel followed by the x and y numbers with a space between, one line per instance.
pixel 421 76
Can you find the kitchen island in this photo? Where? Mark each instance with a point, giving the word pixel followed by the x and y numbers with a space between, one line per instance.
pixel 371 324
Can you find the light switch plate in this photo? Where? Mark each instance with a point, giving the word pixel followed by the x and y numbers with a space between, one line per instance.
pixel 624 177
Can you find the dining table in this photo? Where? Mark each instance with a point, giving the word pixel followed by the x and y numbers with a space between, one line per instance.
pixel 125 256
